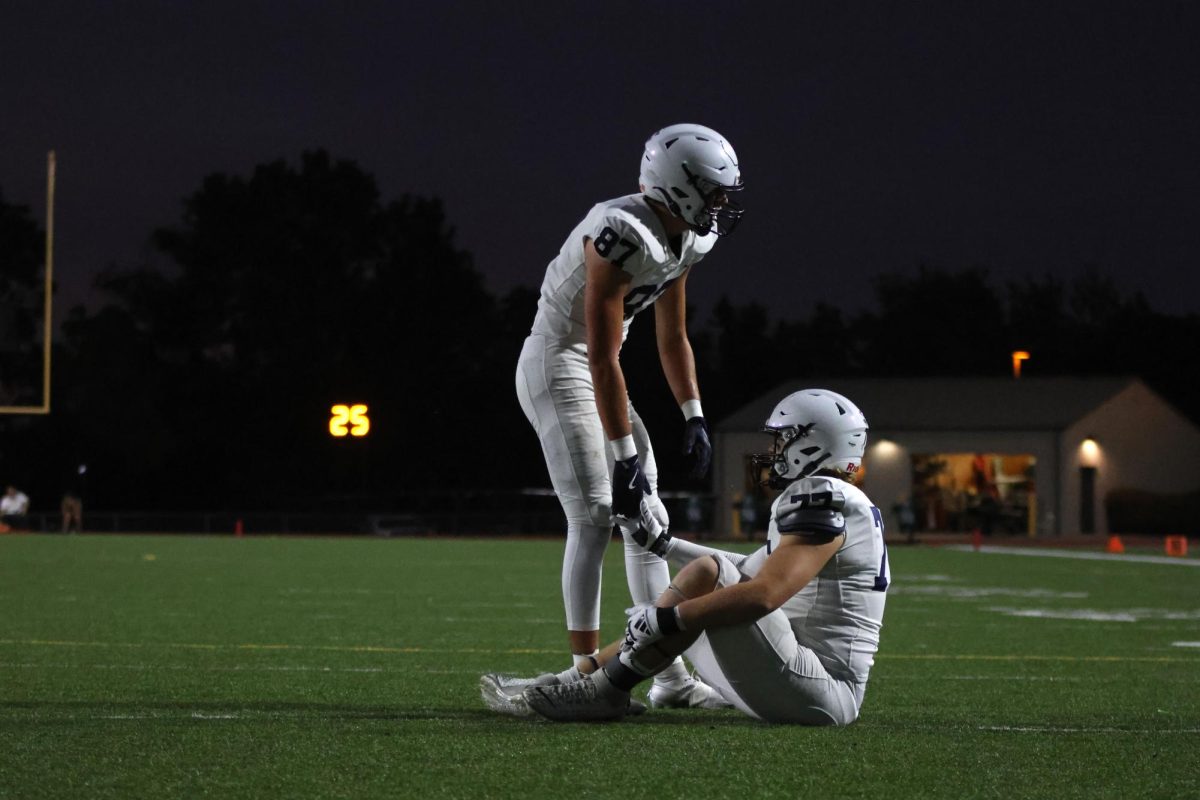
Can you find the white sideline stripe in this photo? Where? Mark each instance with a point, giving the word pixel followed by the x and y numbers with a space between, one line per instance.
pixel 1185 644
pixel 1035 729
pixel 1049 553
pixel 973 592
pixel 979 678
pixel 1100 615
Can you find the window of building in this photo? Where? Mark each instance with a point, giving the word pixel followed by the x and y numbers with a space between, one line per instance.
pixel 993 492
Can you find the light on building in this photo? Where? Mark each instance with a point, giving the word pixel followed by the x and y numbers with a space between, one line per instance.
pixel 1089 453
pixel 885 449
pixel 1018 356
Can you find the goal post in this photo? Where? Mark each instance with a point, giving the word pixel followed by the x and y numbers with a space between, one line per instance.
pixel 47 300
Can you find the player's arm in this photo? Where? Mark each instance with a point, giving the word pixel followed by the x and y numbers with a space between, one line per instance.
pixel 604 310
pixel 679 367
pixel 674 349
pixel 786 571
pixel 811 529
pixel 650 532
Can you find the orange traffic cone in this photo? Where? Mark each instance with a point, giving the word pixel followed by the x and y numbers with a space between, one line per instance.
pixel 1177 546
pixel 1115 545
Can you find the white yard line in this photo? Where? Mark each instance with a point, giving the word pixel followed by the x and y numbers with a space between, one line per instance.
pixel 363 648
pixel 1084 555
pixel 188 667
pixel 926 677
pixel 1099 615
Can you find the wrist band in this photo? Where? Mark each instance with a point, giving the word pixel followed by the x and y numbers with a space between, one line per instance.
pixel 623 449
pixel 691 409
pixel 669 621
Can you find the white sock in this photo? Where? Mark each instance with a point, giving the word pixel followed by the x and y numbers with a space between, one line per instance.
pixel 674 675
pixel 586 660
pixel 569 675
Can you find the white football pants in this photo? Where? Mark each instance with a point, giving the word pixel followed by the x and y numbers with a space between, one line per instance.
pixel 763 670
pixel 554 386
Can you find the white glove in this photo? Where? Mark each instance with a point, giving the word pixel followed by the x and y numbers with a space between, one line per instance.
pixel 649 530
pixel 647 625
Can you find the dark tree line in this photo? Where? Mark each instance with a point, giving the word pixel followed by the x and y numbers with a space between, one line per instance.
pixel 207 382
pixel 22 255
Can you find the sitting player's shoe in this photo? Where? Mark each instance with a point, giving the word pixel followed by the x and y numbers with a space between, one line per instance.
pixel 577 701
pixel 502 693
pixel 693 694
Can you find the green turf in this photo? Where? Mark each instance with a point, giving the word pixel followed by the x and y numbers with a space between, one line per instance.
pixel 215 667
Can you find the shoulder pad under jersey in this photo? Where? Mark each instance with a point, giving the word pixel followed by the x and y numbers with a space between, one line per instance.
pixel 811 507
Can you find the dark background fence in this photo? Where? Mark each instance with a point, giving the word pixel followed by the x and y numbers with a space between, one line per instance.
pixel 530 512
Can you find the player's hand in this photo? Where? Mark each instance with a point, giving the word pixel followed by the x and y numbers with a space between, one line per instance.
pixel 649 530
pixel 698 444
pixel 646 627
pixel 629 486
pixel 641 628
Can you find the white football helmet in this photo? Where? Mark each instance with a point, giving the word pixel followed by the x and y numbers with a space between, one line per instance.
pixel 814 429
pixel 694 172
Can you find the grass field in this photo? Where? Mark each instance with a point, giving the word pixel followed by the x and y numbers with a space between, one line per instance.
pixel 218 667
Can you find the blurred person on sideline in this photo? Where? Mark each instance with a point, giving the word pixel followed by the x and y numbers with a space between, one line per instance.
pixel 72 501
pixel 14 507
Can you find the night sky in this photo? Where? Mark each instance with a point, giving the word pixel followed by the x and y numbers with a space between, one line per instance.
pixel 1023 138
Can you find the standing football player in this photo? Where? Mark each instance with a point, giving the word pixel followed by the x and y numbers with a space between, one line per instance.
pixel 626 255
pixel 788 633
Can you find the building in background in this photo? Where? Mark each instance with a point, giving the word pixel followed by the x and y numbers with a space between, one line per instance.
pixel 1035 456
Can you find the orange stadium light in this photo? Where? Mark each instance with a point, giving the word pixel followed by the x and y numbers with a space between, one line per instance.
pixel 1018 356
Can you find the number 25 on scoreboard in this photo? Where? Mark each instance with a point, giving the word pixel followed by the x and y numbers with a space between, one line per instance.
pixel 352 420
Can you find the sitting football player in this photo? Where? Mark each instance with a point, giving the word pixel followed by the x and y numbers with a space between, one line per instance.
pixel 786 634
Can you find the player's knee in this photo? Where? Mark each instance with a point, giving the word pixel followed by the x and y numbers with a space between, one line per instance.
pixel 587 533
pixel 698 578
pixel 600 515
pixel 593 513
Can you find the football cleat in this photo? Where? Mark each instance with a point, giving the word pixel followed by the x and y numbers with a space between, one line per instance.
pixel 693 694
pixel 513 685
pixel 502 693
pixel 577 701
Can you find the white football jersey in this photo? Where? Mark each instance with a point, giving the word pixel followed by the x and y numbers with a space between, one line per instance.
pixel 627 232
pixel 839 613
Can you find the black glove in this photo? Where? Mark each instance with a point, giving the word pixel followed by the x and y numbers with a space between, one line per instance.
pixel 696 443
pixel 629 485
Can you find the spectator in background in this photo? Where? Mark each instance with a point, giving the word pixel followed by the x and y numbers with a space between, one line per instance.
pixel 72 513
pixel 13 508
pixel 72 501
